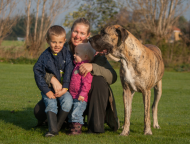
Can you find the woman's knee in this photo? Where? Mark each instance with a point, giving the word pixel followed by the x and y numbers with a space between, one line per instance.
pixel 99 83
pixel 39 111
pixel 99 92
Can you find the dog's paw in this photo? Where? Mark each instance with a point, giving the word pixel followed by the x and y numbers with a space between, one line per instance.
pixel 156 126
pixel 147 132
pixel 125 133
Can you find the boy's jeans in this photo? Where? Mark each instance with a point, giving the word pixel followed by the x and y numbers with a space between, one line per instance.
pixel 77 111
pixel 65 101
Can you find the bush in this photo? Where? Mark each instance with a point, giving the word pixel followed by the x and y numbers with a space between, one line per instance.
pixel 20 60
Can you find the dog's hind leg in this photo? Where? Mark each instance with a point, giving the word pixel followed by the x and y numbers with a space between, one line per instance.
pixel 127 99
pixel 157 96
pixel 147 123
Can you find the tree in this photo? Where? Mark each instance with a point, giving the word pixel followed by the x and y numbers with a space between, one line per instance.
pixel 36 21
pixel 27 10
pixel 98 13
pixel 19 29
pixel 7 8
pixel 182 24
pixel 49 11
pixel 157 16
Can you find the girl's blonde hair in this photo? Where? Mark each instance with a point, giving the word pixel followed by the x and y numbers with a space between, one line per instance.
pixel 87 50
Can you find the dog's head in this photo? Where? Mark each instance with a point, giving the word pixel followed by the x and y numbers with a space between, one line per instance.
pixel 110 39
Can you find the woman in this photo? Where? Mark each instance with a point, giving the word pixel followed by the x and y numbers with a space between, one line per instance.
pixel 101 104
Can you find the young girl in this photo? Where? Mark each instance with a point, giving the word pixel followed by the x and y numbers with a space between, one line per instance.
pixel 79 87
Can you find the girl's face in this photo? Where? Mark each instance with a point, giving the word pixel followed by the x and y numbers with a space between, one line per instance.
pixel 79 55
pixel 79 34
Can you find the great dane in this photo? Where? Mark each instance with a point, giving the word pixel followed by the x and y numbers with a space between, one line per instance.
pixel 141 69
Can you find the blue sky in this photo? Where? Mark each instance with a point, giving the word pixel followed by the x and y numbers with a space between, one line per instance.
pixel 60 17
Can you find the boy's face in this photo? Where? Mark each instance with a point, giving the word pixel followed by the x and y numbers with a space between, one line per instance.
pixel 56 43
pixel 79 55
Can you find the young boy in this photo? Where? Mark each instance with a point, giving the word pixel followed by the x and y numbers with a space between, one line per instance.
pixel 79 87
pixel 57 60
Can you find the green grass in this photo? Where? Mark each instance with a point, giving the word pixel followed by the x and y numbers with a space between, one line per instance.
pixel 12 43
pixel 19 94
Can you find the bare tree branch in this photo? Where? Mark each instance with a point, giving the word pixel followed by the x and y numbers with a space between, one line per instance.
pixel 49 11
pixel 157 16
pixel 6 21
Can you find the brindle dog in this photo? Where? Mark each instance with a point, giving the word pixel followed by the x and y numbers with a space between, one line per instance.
pixel 141 69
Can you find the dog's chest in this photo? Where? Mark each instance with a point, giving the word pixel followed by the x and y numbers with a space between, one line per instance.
pixel 127 74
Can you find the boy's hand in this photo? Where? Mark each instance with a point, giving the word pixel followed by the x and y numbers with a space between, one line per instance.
pixel 60 93
pixel 56 84
pixel 81 98
pixel 50 95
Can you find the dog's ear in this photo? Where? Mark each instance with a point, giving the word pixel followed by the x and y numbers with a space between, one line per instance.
pixel 122 35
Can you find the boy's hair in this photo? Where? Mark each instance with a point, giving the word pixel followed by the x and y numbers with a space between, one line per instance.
pixel 55 30
pixel 88 50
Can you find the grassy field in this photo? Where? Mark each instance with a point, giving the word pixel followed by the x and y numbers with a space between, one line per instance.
pixel 19 94
pixel 12 43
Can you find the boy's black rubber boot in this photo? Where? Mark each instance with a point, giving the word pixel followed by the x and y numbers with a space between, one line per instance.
pixel 62 115
pixel 52 124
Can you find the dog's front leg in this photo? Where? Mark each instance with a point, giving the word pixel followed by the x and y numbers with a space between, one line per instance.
pixel 147 123
pixel 127 99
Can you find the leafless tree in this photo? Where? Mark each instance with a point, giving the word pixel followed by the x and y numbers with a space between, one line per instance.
pixel 27 10
pixel 49 11
pixel 36 21
pixel 7 8
pixel 157 16
pixel 42 19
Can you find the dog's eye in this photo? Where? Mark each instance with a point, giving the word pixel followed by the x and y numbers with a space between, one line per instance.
pixel 103 32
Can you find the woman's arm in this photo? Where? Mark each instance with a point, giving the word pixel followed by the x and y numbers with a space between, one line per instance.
pixel 100 67
pixel 48 77
pixel 51 80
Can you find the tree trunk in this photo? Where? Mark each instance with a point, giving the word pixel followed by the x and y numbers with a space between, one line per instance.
pixel 28 3
pixel 36 21
pixel 42 20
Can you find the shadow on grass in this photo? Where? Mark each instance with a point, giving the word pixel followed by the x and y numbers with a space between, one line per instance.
pixel 24 119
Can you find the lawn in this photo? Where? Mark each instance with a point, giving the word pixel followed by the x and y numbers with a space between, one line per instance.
pixel 19 94
pixel 12 43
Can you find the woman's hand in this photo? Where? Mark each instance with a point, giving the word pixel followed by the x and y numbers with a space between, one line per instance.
pixel 57 86
pixel 85 68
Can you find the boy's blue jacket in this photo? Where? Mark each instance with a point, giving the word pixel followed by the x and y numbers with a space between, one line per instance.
pixel 47 63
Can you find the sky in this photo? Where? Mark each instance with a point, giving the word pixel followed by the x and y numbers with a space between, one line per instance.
pixel 61 16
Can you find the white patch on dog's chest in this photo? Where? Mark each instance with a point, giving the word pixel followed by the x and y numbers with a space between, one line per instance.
pixel 128 78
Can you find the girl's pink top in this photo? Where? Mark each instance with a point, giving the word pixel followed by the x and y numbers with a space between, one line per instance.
pixel 80 85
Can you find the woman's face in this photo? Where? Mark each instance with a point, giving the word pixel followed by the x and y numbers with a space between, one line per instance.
pixel 79 34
